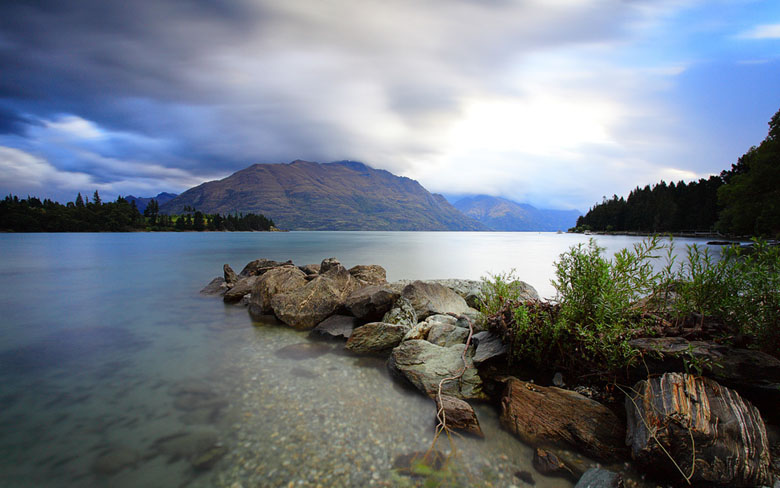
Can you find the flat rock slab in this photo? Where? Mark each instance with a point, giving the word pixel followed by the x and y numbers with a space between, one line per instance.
pixel 696 418
pixel 547 415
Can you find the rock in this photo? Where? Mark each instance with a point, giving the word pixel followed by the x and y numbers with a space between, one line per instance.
pixel 310 269
pixel 336 327
pixel 487 345
pixel 558 380
pixel 547 415
pixel 242 287
pixel 674 410
pixel 469 290
pixel 419 331
pixel 371 303
pixel 303 350
pixel 186 445
pixel 195 395
pixel 548 463
pixel 459 415
pixel 525 477
pixel 277 280
pixel 369 274
pixel 446 335
pixel 329 263
pixel 260 266
pixel 376 337
pixel 407 463
pixel 114 460
pixel 208 458
pixel 320 298
pixel 430 298
pixel 230 276
pixel 217 286
pixel 425 365
pixel 402 313
pixel 599 478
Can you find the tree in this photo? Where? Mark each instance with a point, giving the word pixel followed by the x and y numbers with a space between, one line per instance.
pixel 151 211
pixel 79 201
pixel 96 198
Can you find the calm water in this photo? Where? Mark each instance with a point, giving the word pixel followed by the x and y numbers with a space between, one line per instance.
pixel 115 372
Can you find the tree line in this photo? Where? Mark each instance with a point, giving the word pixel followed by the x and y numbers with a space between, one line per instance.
pixel 82 215
pixel 743 200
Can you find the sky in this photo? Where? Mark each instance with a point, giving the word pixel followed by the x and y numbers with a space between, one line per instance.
pixel 556 103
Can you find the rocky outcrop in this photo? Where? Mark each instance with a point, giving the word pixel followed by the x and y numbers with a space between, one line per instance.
pixel 376 337
pixel 278 280
pixel 458 415
pixel 548 416
pixel 369 274
pixel 401 313
pixel 242 287
pixel 217 286
pixel 488 345
pixel 320 298
pixel 424 365
pixel 706 428
pixel 431 298
pixel 230 276
pixel 372 302
pixel 336 327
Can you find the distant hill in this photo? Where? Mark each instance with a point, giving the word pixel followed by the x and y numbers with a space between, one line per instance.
pixel 344 195
pixel 505 215
pixel 142 202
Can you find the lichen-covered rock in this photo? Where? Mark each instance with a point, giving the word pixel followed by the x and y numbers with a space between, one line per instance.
pixel 369 274
pixel 305 307
pixel 547 415
pixel 282 279
pixel 376 337
pixel 431 298
pixel 260 266
pixel 336 327
pixel 371 303
pixel 447 334
pixel 424 365
pixel 242 287
pixel 459 415
pixel 401 313
pixel 697 421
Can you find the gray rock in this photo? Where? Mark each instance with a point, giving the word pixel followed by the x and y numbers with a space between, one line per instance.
pixel 446 335
pixel 430 298
pixel 230 276
pixel 371 303
pixel 310 269
pixel 191 446
pixel 277 280
pixel 487 345
pixel 369 274
pixel 260 266
pixel 114 460
pixel 336 327
pixel 469 290
pixel 376 337
pixel 328 263
pixel 599 478
pixel 242 287
pixel 217 286
pixel 425 365
pixel 558 380
pixel 687 414
pixel 401 313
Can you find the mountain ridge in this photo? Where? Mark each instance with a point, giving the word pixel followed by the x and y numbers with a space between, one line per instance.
pixel 501 214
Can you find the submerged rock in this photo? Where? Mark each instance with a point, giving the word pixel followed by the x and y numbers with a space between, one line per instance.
pixel 695 418
pixel 425 365
pixel 431 298
pixel 336 327
pixel 304 350
pixel 115 460
pixel 459 415
pixel 547 415
pixel 376 337
pixel 407 463
pixel 201 448
pixel 548 463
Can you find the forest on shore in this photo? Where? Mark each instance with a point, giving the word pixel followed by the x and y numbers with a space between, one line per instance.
pixel 82 215
pixel 742 201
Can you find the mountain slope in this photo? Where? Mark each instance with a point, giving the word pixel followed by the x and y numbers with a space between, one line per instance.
pixel 505 215
pixel 344 195
pixel 142 202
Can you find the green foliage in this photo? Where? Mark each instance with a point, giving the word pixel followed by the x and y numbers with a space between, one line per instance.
pixel 499 289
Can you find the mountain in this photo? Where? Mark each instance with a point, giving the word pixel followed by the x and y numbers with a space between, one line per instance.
pixel 142 202
pixel 344 195
pixel 505 215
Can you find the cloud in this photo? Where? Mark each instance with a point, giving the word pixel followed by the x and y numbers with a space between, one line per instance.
pixel 763 31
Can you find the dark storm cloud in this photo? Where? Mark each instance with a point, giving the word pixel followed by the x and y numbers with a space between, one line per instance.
pixel 12 122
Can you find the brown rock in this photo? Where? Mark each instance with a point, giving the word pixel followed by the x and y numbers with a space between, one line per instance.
pixel 369 274
pixel 260 266
pixel 546 462
pixel 336 327
pixel 695 418
pixel 431 298
pixel 242 287
pixel 458 415
pixel 376 337
pixel 547 415
pixel 217 286
pixel 230 276
pixel 282 279
pixel 370 303
pixel 310 269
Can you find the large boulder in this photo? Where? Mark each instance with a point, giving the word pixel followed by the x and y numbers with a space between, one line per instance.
pixel 372 302
pixel 260 266
pixel 424 365
pixel 431 298
pixel 551 416
pixel 305 307
pixel 282 279
pixel 369 274
pixel 469 290
pixel 242 287
pixel 336 327
pixel 401 313
pixel 707 430
pixel 458 415
pixel 447 334
pixel 376 337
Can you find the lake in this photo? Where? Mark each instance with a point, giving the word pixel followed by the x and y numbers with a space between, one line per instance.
pixel 116 372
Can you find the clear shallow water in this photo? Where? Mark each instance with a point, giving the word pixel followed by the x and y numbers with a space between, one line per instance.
pixel 110 359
